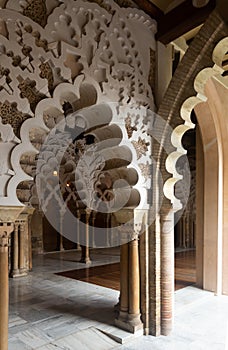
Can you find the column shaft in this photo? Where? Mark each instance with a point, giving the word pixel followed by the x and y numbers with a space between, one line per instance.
pixel 167 272
pixel 85 258
pixel 124 279
pixel 5 230
pixel 4 297
pixel 8 215
pixel 22 249
pixel 134 278
pixel 15 250
pixel 29 242
pixel 129 315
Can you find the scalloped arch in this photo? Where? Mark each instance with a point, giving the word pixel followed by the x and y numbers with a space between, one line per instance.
pixel 188 105
pixel 54 105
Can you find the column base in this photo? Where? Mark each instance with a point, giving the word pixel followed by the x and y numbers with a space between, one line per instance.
pixel 18 273
pixel 23 272
pixel 128 326
pixel 15 273
pixel 86 261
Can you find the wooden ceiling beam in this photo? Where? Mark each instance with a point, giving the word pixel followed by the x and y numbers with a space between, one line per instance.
pixel 182 19
pixel 149 8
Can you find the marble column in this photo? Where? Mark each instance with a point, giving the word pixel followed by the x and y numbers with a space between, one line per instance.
pixel 15 271
pixel 5 230
pixel 78 246
pixel 124 283
pixel 129 317
pixel 85 258
pixel 61 247
pixel 93 229
pixel 167 271
pixel 21 250
pixel 22 244
pixel 8 215
pixel 30 213
pixel 134 317
pixel 108 243
pixel 37 232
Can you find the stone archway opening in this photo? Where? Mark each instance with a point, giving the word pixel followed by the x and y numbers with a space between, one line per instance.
pixel 185 227
pixel 210 185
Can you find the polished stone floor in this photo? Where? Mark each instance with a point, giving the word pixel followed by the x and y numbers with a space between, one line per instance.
pixel 48 311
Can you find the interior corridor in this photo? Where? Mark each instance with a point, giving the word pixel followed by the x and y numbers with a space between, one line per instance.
pixel 49 311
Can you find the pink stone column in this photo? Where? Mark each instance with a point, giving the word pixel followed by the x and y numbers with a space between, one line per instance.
pixel 134 286
pixel 5 230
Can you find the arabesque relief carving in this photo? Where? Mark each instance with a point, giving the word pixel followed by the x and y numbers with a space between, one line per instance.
pixel 60 47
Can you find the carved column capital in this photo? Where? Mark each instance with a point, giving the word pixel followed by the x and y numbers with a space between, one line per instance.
pixel 5 230
pixel 126 232
pixel 4 243
pixel 88 212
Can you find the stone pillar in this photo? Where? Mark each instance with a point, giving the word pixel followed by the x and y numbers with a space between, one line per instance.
pixel 134 287
pixel 61 247
pixel 108 243
pixel 167 271
pixel 144 277
pixel 37 232
pixel 85 258
pixel 78 246
pixel 22 254
pixel 5 230
pixel 22 250
pixel 15 271
pixel 8 215
pixel 124 283
pixel 30 213
pixel 26 217
pixel 129 317
pixel 93 229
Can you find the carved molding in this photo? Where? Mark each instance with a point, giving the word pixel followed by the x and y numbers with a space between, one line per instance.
pixel 53 60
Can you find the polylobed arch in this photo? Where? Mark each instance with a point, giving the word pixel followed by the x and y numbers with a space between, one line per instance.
pixel 211 83
pixel 57 66
pixel 177 104
pixel 156 280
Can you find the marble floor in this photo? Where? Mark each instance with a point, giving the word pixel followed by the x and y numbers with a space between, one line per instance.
pixel 48 311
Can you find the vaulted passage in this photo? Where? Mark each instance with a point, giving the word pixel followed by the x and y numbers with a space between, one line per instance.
pixel 113 172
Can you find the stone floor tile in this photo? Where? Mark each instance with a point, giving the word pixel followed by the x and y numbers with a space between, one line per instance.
pixel 50 312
